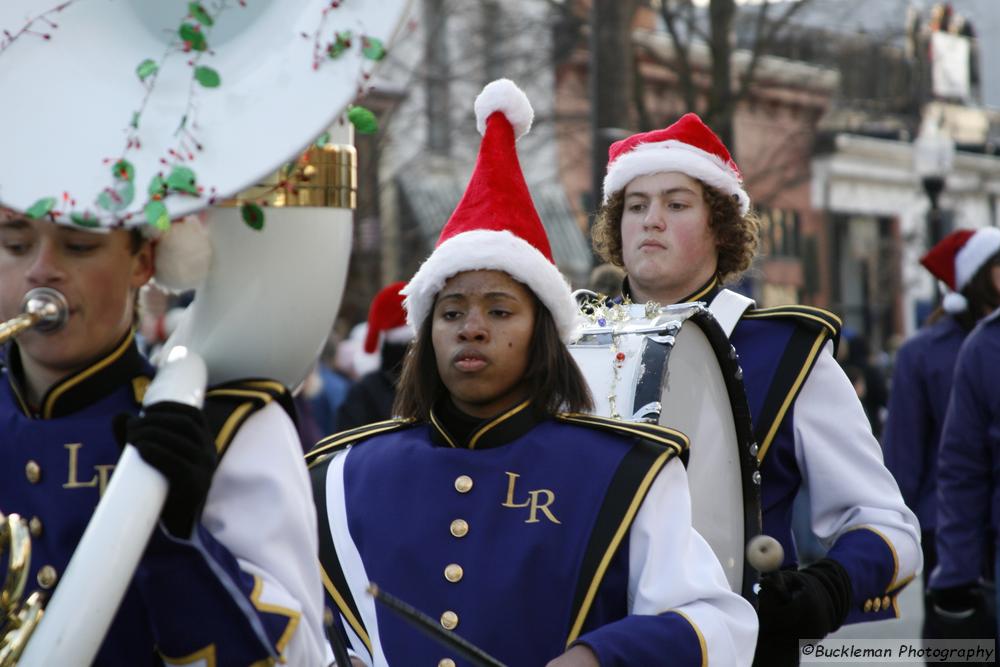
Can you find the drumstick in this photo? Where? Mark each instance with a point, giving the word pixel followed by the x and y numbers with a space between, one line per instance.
pixel 463 647
pixel 765 554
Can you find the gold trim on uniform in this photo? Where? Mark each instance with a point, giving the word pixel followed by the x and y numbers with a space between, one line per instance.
pixel 207 654
pixel 701 638
pixel 68 384
pixel 505 416
pixel 345 610
pixel 703 291
pixel 655 432
pixel 803 372
pixel 640 493
pixel 292 615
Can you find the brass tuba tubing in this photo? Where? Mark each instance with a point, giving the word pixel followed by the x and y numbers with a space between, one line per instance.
pixel 43 308
pixel 17 620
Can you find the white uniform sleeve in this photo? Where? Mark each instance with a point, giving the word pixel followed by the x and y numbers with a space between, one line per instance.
pixel 671 567
pixel 260 508
pixel 842 469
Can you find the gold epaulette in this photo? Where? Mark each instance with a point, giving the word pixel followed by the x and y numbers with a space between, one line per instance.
pixel 808 315
pixel 334 443
pixel 230 404
pixel 652 432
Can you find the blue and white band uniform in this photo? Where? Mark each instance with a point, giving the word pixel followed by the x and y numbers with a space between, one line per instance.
pixel 243 588
pixel 533 536
pixel 812 433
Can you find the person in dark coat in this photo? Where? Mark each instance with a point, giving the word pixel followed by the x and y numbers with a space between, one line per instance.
pixel 962 604
pixel 922 374
pixel 370 398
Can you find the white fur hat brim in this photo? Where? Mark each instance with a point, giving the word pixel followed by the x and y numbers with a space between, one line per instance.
pixel 491 250
pixel 977 250
pixel 672 155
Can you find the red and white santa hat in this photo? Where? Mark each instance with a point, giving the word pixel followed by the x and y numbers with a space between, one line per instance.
pixel 387 319
pixel 495 226
pixel 688 146
pixel 956 258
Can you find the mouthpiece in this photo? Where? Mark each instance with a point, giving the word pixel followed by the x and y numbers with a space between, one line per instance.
pixel 43 308
pixel 48 306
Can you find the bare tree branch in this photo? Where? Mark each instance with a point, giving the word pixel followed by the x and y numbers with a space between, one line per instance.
pixel 682 49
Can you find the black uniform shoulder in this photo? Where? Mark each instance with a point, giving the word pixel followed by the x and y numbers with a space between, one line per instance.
pixel 661 435
pixel 332 444
pixel 230 404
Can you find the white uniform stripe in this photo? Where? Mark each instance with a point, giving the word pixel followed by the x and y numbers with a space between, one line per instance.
pixel 350 558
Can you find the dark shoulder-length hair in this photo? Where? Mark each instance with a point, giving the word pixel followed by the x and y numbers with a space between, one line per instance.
pixel 553 379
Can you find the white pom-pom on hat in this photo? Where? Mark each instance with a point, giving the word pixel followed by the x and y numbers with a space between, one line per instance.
pixel 954 303
pixel 183 255
pixel 504 96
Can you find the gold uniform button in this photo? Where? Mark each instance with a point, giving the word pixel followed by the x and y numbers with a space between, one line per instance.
pixel 886 602
pixel 449 620
pixel 35 526
pixel 868 605
pixel 33 472
pixel 454 573
pixel 463 484
pixel 446 662
pixel 876 604
pixel 47 576
pixel 459 527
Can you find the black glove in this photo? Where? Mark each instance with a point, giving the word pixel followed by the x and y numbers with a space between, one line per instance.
pixel 805 604
pixel 174 439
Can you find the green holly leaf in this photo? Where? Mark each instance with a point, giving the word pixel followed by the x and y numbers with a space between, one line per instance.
pixel 85 219
pixel 200 14
pixel 340 44
pixel 135 120
pixel 41 208
pixel 253 215
pixel 157 186
pixel 372 48
pixel 193 37
pixel 363 120
pixel 123 170
pixel 182 179
pixel 322 140
pixel 126 192
pixel 146 69
pixel 207 76
pixel 117 197
pixel 157 216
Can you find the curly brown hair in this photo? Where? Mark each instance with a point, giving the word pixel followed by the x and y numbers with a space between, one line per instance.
pixel 736 236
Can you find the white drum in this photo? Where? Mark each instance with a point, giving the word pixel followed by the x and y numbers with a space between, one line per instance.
pixel 675 366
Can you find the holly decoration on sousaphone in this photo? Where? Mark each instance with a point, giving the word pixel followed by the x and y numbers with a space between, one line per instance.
pixel 192 120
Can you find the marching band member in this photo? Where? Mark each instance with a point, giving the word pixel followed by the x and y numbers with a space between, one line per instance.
pixel 538 535
pixel 226 578
pixel 922 378
pixel 967 492
pixel 676 217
